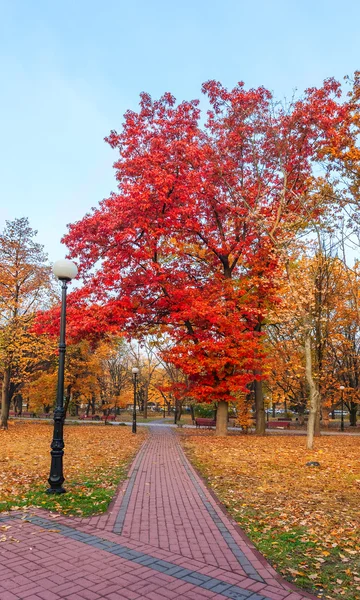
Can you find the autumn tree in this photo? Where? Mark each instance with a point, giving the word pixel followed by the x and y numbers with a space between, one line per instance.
pixel 172 381
pixel 112 359
pixel 343 357
pixel 25 286
pixel 190 242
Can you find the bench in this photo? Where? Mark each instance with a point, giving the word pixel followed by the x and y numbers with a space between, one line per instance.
pixel 25 415
pixel 278 424
pixel 202 422
pixel 107 418
pixel 89 417
pixel 19 415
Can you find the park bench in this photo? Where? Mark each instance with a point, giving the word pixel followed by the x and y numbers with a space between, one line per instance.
pixel 24 415
pixel 108 418
pixel 89 418
pixel 278 424
pixel 202 422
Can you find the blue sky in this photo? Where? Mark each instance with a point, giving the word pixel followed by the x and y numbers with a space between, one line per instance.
pixel 69 70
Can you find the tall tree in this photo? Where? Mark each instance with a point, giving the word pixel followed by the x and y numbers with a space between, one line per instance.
pixel 25 285
pixel 191 241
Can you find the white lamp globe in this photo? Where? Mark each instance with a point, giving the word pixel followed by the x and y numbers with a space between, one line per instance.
pixel 135 370
pixel 65 269
pixel 342 387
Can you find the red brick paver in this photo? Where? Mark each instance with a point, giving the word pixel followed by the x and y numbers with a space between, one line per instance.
pixel 165 537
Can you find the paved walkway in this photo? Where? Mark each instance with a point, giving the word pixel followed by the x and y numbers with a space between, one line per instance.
pixel 165 537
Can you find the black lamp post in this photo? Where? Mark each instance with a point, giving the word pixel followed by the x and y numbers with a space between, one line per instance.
pixel 342 407
pixel 135 371
pixel 164 415
pixel 64 270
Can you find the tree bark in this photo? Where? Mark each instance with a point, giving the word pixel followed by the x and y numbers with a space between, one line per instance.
pixel 353 414
pixel 222 418
pixel 259 408
pixel 317 419
pixel 5 399
pixel 259 399
pixel 18 402
pixel 314 394
pixel 146 403
pixel 68 398
pixel 192 411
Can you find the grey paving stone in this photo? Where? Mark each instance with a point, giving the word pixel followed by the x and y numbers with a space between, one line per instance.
pixel 179 572
pixel 193 579
pixel 236 593
pixel 220 587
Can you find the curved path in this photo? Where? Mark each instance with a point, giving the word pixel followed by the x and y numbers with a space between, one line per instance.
pixel 165 537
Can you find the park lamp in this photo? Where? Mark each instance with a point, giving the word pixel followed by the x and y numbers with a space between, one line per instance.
pixel 342 387
pixel 65 270
pixel 135 371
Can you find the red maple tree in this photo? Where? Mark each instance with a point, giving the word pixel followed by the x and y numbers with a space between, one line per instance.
pixel 191 241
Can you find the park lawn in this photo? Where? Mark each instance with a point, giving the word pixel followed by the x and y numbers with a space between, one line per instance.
pixel 305 520
pixel 96 459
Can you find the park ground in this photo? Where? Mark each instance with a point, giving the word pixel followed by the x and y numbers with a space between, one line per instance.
pixel 305 520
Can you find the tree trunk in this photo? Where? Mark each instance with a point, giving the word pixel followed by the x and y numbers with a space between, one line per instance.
pixel 301 410
pixel 314 394
pixel 180 410
pixel 192 411
pixel 259 408
pixel 222 418
pixel 146 404
pixel 259 398
pixel 68 398
pixel 5 399
pixel 317 419
pixel 353 414
pixel 18 402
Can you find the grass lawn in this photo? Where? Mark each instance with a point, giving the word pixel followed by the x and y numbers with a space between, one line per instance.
pixel 95 460
pixel 305 520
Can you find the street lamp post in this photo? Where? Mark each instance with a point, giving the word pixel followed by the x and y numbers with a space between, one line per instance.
pixel 64 270
pixel 164 415
pixel 342 407
pixel 135 371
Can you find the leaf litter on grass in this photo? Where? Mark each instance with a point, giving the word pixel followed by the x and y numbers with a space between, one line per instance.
pixel 305 520
pixel 96 459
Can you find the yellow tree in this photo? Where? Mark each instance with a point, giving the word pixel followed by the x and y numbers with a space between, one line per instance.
pixel 25 286
pixel 343 360
pixel 41 391
pixel 302 322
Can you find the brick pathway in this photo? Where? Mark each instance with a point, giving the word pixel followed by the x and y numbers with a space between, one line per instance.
pixel 165 537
